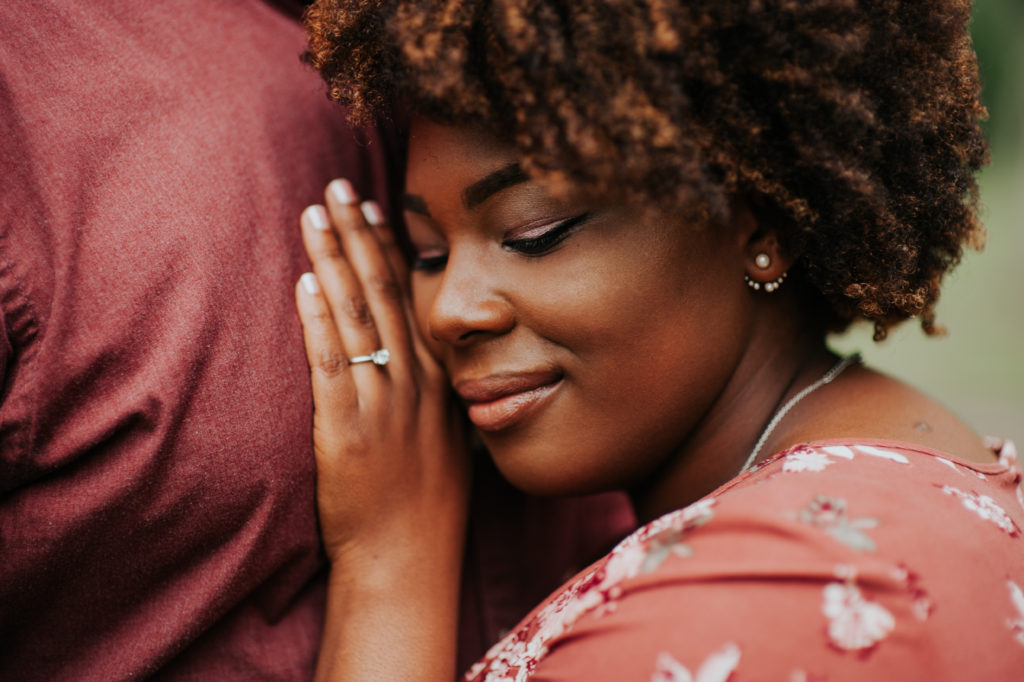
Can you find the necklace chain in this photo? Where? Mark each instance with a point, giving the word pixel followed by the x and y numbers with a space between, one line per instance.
pixel 826 378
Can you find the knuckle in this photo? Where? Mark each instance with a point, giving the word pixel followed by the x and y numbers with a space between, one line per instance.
pixel 329 363
pixel 331 254
pixel 386 238
pixel 321 317
pixel 387 287
pixel 358 311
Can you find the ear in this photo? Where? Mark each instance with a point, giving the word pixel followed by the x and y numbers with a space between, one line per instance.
pixel 765 262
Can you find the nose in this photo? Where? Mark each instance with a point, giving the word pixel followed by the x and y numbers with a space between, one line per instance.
pixel 467 304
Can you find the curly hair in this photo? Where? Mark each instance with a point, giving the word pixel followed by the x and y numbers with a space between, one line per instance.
pixel 854 125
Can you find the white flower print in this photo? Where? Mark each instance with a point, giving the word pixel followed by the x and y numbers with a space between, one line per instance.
pixel 882 453
pixel 838 451
pixel 664 546
pixel 829 514
pixel 921 606
pixel 717 667
pixel 985 507
pixel 516 656
pixel 696 514
pixel 805 459
pixel 623 565
pixel 664 537
pixel 502 660
pixel 848 452
pixel 854 623
pixel 1016 624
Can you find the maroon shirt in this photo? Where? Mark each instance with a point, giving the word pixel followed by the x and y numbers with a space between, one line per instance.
pixel 157 510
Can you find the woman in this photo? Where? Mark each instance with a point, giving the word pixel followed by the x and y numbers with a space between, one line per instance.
pixel 631 227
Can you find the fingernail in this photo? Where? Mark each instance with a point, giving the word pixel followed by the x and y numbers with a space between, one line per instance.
pixel 372 212
pixel 317 217
pixel 342 191
pixel 309 283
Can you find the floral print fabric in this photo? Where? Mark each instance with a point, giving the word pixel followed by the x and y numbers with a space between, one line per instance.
pixel 829 561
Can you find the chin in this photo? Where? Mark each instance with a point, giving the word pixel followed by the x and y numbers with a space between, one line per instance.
pixel 550 474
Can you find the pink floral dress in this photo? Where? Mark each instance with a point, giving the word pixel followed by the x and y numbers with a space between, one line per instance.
pixel 837 560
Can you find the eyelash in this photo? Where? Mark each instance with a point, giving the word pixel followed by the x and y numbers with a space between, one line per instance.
pixel 430 264
pixel 531 247
pixel 543 243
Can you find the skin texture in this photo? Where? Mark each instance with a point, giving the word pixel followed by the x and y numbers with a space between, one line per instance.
pixel 668 366
pixel 641 320
pixel 658 366
pixel 693 136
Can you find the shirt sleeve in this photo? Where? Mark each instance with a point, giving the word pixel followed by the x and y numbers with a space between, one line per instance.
pixel 802 610
pixel 848 563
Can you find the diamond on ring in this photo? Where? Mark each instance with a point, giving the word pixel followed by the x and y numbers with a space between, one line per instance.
pixel 377 357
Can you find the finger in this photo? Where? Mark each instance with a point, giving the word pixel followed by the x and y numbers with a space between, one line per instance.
pixel 339 285
pixel 397 261
pixel 381 287
pixel 333 389
pixel 388 244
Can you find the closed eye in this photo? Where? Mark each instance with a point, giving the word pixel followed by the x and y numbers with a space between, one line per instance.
pixel 430 261
pixel 547 240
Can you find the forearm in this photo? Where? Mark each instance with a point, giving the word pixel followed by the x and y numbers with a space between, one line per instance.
pixel 393 617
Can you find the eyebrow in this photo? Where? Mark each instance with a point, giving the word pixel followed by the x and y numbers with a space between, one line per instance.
pixel 475 194
pixel 479 191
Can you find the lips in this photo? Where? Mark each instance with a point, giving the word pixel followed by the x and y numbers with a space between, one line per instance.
pixel 500 401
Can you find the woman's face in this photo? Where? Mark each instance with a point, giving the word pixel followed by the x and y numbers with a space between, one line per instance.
pixel 586 341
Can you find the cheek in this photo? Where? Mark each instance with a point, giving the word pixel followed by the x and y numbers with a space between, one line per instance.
pixel 651 349
pixel 669 344
pixel 642 314
pixel 424 289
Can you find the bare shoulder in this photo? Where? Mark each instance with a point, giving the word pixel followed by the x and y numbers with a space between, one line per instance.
pixel 865 403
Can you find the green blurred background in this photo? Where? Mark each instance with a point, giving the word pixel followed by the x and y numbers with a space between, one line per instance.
pixel 977 368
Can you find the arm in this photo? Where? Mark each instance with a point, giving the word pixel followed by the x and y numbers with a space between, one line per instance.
pixel 392 472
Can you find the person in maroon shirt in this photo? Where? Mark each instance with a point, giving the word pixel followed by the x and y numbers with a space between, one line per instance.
pixel 157 513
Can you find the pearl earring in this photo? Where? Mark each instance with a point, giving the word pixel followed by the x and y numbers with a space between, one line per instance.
pixel 768 286
pixel 763 261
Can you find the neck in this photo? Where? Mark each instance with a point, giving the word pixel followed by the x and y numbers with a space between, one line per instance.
pixel 779 361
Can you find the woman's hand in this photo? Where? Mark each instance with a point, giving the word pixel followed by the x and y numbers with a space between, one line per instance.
pixel 392 470
pixel 390 463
